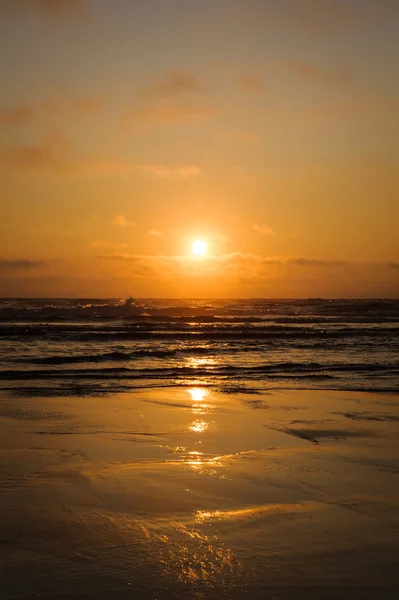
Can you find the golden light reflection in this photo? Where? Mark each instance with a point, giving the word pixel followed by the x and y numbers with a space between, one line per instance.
pixel 198 426
pixel 204 361
pixel 200 409
pixel 196 559
pixel 197 394
pixel 253 511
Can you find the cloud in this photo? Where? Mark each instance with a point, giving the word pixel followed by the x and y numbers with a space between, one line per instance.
pixel 122 221
pixel 311 262
pixel 175 84
pixel 100 244
pixel 85 105
pixel 358 108
pixel 232 274
pixel 229 260
pixel 51 154
pixel 164 171
pixel 315 17
pixel 116 166
pixel 57 155
pixel 45 8
pixel 232 266
pixel 178 98
pixel 155 233
pixel 315 73
pixel 250 83
pixel 20 264
pixel 318 15
pixel 393 265
pixel 52 157
pixel 168 114
pixel 78 106
pixel 31 157
pixel 16 115
pixel 263 229
pixel 125 256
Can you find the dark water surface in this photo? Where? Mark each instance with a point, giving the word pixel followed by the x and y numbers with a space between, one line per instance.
pixel 86 346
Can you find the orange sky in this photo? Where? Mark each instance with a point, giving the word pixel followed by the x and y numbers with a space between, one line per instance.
pixel 269 129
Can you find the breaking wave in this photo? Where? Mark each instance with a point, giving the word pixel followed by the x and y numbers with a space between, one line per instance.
pixel 114 345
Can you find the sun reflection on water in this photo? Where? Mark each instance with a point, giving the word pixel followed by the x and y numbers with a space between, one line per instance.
pixel 196 458
pixel 193 558
pixel 198 426
pixel 198 394
pixel 195 362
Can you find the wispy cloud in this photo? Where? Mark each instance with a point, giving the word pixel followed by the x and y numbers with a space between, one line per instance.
pixel 250 82
pixel 76 105
pixel 167 172
pixel 314 72
pixel 15 115
pixel 312 262
pixel 57 155
pixel 178 98
pixel 100 244
pixel 233 260
pixel 263 229
pixel 318 15
pixel 122 221
pixel 45 8
pixel 315 17
pixel 175 84
pixel 32 157
pixel 51 154
pixel 155 233
pixel 119 166
pixel 20 264
pixel 357 108
pixel 53 107
pixel 169 114
pixel 235 274
pixel 241 274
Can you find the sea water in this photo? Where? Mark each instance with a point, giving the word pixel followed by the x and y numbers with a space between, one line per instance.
pixel 90 346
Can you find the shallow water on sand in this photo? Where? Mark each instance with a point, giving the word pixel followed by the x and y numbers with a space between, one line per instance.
pixel 192 493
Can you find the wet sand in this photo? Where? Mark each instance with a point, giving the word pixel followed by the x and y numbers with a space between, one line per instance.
pixel 191 493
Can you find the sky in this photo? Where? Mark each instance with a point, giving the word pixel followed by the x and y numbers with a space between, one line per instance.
pixel 268 129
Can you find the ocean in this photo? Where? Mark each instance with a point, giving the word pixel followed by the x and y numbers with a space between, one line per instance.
pixel 199 449
pixel 99 346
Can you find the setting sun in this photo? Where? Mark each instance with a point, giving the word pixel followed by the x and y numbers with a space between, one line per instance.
pixel 199 247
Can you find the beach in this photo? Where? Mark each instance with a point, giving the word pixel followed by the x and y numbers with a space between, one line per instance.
pixel 199 300
pixel 190 492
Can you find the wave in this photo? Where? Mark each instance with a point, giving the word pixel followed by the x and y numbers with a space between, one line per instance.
pixel 285 370
pixel 203 333
pixel 116 356
pixel 318 310
pixel 109 345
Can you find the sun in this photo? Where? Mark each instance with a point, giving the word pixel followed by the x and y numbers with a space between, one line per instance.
pixel 199 247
